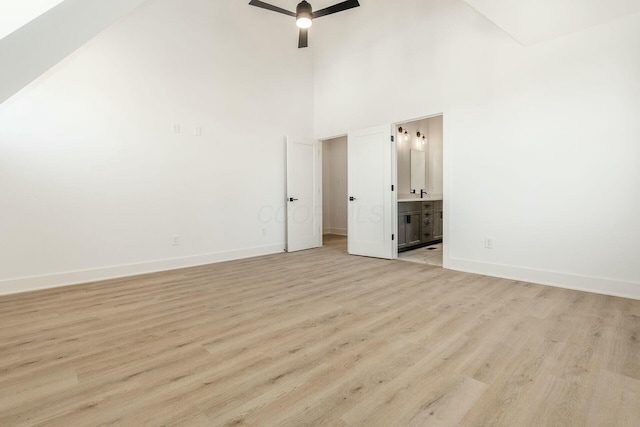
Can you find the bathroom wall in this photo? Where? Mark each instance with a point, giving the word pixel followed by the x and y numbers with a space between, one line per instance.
pixel 334 184
pixel 432 129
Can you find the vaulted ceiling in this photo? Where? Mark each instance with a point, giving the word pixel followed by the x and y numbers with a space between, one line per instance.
pixel 34 48
pixel 66 25
pixel 17 13
pixel 535 21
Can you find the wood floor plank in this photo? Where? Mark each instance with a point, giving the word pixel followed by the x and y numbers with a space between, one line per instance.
pixel 318 338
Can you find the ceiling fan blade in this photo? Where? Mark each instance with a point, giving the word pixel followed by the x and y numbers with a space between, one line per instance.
pixel 345 5
pixel 303 40
pixel 263 5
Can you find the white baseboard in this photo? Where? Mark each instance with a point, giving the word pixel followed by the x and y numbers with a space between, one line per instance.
pixel 612 287
pixel 336 231
pixel 597 285
pixel 26 284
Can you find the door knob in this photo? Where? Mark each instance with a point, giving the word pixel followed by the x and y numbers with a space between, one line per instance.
pixel 291 199
pixel 351 199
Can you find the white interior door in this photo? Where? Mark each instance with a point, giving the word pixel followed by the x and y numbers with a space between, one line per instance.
pixel 304 194
pixel 371 153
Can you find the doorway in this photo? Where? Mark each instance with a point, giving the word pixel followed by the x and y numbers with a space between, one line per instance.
pixel 370 199
pixel 420 190
pixel 334 192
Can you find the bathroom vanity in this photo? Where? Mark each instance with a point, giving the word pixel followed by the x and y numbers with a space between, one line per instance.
pixel 419 222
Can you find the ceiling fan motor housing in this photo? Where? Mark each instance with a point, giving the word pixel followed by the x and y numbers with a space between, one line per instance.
pixel 304 10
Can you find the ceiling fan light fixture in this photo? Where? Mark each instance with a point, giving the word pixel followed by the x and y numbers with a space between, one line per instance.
pixel 304 22
pixel 304 15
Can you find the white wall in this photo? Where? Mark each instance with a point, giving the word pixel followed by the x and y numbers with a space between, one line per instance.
pixel 432 129
pixel 435 173
pixel 540 143
pixel 334 186
pixel 93 184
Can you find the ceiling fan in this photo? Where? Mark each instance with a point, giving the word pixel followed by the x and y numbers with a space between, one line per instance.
pixel 305 15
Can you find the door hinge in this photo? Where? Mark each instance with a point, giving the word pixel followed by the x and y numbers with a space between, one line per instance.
pixel 393 138
pixel 393 237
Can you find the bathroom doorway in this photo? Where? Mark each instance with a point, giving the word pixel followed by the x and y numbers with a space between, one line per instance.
pixel 420 190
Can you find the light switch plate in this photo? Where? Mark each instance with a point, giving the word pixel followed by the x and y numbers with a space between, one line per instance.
pixel 488 242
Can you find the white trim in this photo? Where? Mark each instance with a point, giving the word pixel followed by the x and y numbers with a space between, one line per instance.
pixel 613 287
pixel 26 284
pixel 336 231
pixel 447 179
pixel 394 193
pixel 329 138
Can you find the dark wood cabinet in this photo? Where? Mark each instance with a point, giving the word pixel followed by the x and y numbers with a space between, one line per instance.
pixel 402 232
pixel 413 228
pixel 419 224
pixel 437 221
pixel 427 222
pixel 409 227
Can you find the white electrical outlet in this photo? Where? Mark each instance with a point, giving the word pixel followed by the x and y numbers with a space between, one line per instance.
pixel 197 131
pixel 176 240
pixel 264 231
pixel 488 242
pixel 175 128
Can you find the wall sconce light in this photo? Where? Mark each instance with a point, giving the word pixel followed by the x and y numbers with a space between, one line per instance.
pixel 405 132
pixel 424 138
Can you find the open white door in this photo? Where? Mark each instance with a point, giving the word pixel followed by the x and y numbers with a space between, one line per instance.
pixel 304 194
pixel 371 156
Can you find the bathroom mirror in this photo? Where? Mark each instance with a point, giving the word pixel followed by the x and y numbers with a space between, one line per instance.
pixel 418 171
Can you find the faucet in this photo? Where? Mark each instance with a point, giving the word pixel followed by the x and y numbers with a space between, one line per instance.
pixel 423 193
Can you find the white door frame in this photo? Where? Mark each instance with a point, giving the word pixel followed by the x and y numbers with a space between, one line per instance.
pixel 446 181
pixel 394 178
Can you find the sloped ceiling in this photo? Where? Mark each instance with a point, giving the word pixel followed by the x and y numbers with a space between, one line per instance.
pixel 28 52
pixel 34 48
pixel 535 21
pixel 16 13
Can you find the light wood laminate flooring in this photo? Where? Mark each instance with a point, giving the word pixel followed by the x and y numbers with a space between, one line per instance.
pixel 318 338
